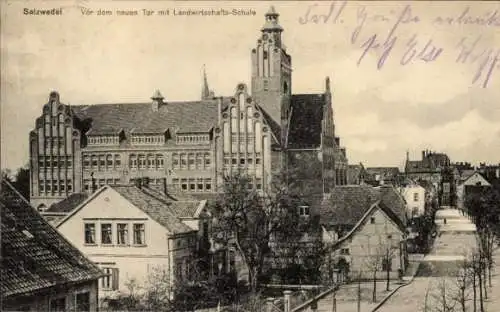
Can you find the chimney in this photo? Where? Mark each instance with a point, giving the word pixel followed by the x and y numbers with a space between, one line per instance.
pixel 423 155
pixel 165 186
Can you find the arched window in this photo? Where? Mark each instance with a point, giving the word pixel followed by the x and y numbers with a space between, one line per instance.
pixel 93 159
pixel 175 160
pixel 133 161
pixel 159 161
pixel 118 161
pixel 109 162
pixel 151 161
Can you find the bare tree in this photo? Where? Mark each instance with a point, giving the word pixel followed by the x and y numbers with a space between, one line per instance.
pixel 478 268
pixel 254 221
pixel 462 283
pixel 442 297
pixel 379 259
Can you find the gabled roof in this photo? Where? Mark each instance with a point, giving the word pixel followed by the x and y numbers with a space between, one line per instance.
pixel 349 203
pixel 306 120
pixel 187 117
pixel 158 209
pixel 69 203
pixel 475 174
pixel 34 255
pixel 181 205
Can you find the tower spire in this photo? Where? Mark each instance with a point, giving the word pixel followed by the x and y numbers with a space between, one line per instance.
pixel 272 21
pixel 205 91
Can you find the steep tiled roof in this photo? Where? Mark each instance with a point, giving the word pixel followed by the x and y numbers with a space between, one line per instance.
pixel 155 207
pixel 194 116
pixel 275 127
pixel 34 255
pixel 69 203
pixel 181 205
pixel 391 198
pixel 348 204
pixel 306 120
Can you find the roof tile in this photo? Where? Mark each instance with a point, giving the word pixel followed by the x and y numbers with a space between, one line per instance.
pixel 34 255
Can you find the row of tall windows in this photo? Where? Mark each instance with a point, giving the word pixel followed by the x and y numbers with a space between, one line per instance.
pixel 234 160
pixel 191 161
pixel 87 183
pixel 51 142
pixel 341 176
pixel 45 162
pixel 115 234
pixel 192 184
pixel 146 161
pixel 55 186
pixel 102 162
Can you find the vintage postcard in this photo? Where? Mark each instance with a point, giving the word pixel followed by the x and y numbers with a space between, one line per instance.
pixel 250 155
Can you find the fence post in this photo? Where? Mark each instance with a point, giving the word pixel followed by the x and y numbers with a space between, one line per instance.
pixel 269 304
pixel 287 303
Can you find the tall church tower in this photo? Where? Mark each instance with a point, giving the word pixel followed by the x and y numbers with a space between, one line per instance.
pixel 272 72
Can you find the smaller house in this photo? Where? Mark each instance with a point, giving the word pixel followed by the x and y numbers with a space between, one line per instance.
pixel 56 212
pixel 365 227
pixel 476 179
pixel 133 232
pixel 41 270
pixel 415 198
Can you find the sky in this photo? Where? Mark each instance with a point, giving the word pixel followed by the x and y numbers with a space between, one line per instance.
pixel 405 76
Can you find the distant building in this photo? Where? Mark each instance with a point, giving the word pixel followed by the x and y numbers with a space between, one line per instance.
pixel 131 231
pixel 415 197
pixel 437 169
pixel 490 172
pixel 376 176
pixel 41 270
pixel 476 180
pixel 261 128
pixel 362 223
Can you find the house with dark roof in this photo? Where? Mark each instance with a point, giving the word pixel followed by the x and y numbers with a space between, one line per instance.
pixel 365 229
pixel 131 231
pixel 41 270
pixel 57 211
pixel 262 128
pixel 475 180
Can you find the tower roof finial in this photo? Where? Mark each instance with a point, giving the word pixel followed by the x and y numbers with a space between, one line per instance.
pixel 205 90
pixel 272 11
pixel 272 21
